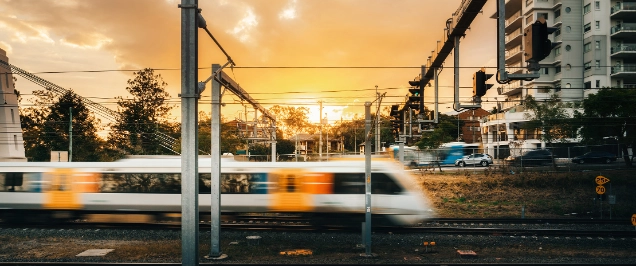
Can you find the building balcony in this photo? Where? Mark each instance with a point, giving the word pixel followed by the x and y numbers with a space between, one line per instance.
pixel 623 10
pixel 515 68
pixel 511 88
pixel 514 38
pixel 514 54
pixel 514 22
pixel 624 31
pixel 624 50
pixel 624 71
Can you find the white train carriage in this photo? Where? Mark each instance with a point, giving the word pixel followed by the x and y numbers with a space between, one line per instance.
pixel 327 189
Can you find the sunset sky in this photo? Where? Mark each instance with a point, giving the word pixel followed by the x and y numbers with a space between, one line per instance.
pixel 71 36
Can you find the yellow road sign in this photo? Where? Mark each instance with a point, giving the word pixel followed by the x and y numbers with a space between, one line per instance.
pixel 600 180
pixel 634 219
pixel 600 190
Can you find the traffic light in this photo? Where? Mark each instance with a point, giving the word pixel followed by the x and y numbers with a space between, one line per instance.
pixel 479 83
pixel 537 46
pixel 415 101
pixel 398 121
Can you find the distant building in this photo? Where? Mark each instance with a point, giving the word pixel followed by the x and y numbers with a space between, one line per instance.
pixel 11 142
pixel 471 130
pixel 596 48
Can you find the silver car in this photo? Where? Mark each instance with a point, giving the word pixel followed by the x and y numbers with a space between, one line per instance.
pixel 474 159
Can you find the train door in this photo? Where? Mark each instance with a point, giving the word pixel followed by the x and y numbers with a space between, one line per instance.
pixel 290 194
pixel 60 193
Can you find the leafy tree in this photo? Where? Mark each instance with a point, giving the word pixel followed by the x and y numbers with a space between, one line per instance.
pixel 143 116
pixel 47 128
pixel 291 120
pixel 230 137
pixel 445 131
pixel 552 118
pixel 285 146
pixel 610 113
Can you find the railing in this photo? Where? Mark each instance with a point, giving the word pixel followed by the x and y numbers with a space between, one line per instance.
pixel 513 85
pixel 624 68
pixel 623 6
pixel 513 35
pixel 513 18
pixel 622 27
pixel 629 86
pixel 624 48
pixel 517 49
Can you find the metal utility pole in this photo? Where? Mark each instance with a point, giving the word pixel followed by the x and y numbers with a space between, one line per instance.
pixel 320 142
pixel 377 125
pixel 70 134
pixel 367 177
pixel 215 166
pixel 189 155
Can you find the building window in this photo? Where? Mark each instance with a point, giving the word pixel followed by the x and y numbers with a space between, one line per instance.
pixel 567 9
pixel 597 24
pixel 557 87
pixel 557 51
pixel 587 47
pixel 546 71
pixel 557 32
pixel 597 5
pixel 588 85
pixel 557 13
pixel 529 19
pixel 568 48
pixel 557 70
pixel 544 15
pixel 597 63
pixel 587 66
pixel 587 9
pixel 598 82
pixel 544 89
pixel 597 45
pixel 587 27
pixel 528 2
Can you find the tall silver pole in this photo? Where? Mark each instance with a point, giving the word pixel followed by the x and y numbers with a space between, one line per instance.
pixel 456 106
pixel 215 175
pixel 70 134
pixel 436 70
pixel 320 142
pixel 367 177
pixel 189 151
pixel 273 141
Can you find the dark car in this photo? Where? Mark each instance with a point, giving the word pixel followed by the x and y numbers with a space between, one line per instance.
pixel 533 157
pixel 595 157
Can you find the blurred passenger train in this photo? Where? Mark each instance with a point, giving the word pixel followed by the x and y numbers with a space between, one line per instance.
pixel 321 190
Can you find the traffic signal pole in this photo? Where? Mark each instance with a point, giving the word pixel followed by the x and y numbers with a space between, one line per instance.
pixel 503 77
pixel 457 106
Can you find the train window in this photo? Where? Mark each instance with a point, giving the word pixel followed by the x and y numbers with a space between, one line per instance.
pixel 381 183
pixel 11 181
pixel 236 183
pixel 141 183
pixel 348 183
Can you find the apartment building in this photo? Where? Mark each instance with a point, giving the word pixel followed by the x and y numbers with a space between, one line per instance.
pixel 11 142
pixel 596 47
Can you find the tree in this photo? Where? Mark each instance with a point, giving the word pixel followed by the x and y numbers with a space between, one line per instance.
pixel 143 116
pixel 291 120
pixel 610 113
pixel 552 118
pixel 47 128
pixel 445 131
pixel 285 146
pixel 230 138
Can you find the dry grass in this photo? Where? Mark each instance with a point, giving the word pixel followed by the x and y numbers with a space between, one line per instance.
pixel 490 194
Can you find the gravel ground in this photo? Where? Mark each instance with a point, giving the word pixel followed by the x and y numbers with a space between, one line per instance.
pixel 330 247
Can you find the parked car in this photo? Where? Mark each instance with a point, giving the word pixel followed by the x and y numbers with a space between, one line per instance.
pixel 595 157
pixel 533 157
pixel 474 159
